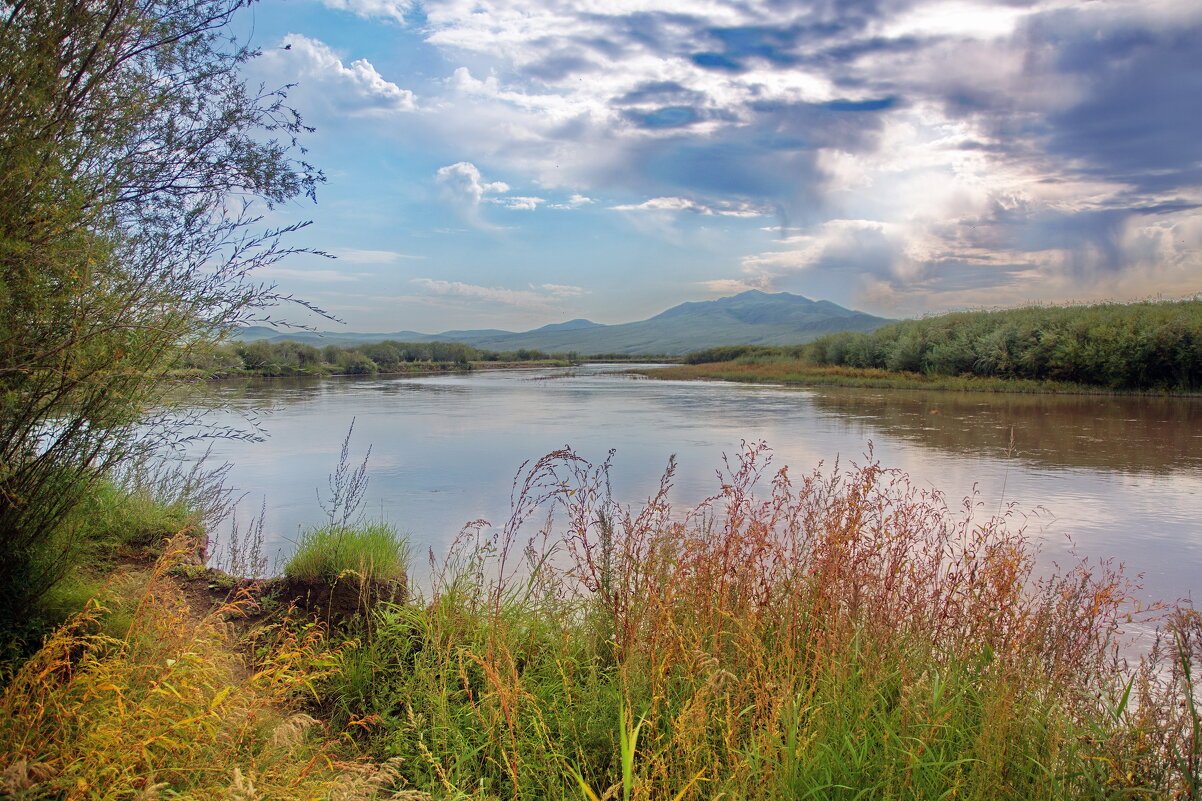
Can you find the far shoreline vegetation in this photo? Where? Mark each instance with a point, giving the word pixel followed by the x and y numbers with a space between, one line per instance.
pixel 1110 348
pixel 1095 349
pixel 388 357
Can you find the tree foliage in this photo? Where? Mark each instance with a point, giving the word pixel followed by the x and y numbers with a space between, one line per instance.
pixel 1124 346
pixel 135 167
pixel 287 358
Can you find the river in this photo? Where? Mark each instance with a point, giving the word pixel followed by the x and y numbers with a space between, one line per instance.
pixel 1103 477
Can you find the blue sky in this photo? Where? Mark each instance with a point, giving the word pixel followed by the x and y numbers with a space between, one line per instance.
pixel 512 163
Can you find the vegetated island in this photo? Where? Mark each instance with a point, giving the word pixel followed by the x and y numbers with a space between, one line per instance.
pixel 1147 347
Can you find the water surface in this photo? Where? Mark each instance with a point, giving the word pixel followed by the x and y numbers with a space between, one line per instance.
pixel 1102 477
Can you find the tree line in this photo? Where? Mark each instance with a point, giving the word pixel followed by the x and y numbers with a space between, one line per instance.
pixel 295 358
pixel 1123 346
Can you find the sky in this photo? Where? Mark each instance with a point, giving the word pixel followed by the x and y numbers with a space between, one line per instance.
pixel 513 163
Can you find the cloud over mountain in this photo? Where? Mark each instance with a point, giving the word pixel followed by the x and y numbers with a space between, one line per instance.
pixel 924 153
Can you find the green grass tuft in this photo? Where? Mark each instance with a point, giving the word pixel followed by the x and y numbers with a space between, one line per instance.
pixel 374 552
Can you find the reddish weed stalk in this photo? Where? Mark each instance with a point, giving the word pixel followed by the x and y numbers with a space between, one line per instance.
pixel 735 625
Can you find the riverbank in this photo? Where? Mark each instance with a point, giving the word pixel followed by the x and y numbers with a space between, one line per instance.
pixel 799 373
pixel 410 369
pixel 331 371
pixel 287 358
pixel 888 647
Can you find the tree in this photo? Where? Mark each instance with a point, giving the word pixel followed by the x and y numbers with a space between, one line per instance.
pixel 135 165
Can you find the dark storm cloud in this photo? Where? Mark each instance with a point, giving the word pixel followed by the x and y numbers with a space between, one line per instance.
pixel 1140 120
pixel 560 65
pixel 1133 105
pixel 772 162
pixel 816 125
pixel 958 275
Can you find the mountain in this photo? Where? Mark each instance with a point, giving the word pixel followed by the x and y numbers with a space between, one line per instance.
pixel 571 325
pixel 749 318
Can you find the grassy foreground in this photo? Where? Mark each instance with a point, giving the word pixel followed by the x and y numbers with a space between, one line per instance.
pixel 839 634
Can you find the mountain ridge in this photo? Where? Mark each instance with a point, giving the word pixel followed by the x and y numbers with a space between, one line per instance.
pixel 749 318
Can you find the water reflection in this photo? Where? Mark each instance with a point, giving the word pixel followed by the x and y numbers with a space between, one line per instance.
pixel 1118 475
pixel 1156 434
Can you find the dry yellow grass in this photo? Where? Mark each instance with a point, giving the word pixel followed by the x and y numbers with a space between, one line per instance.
pixel 173 710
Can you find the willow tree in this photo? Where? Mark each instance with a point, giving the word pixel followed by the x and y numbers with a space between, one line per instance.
pixel 135 167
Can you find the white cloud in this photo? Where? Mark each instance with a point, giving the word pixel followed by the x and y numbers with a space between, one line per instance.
pixel 372 8
pixel 357 256
pixel 463 179
pixel 674 204
pixel 355 89
pixel 518 203
pixel 466 188
pixel 576 201
pixel 563 290
pixel 955 18
pixel 542 297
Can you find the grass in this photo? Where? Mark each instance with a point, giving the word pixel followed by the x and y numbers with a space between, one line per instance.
pixel 169 711
pixel 95 550
pixel 839 634
pixel 793 371
pixel 372 552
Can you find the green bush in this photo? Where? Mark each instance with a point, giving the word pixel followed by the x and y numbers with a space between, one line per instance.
pixel 1122 346
pixel 726 353
pixel 134 165
pixel 374 552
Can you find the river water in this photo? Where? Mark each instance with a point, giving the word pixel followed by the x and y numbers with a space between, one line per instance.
pixel 1100 476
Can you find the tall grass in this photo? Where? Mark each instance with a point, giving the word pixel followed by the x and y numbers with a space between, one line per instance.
pixel 170 711
pixel 125 518
pixel 841 634
pixel 373 552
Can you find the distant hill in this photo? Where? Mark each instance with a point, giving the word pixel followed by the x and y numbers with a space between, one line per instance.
pixel 750 318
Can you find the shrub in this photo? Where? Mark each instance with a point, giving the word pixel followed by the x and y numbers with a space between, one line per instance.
pixel 1135 346
pixel 352 362
pixel 133 162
